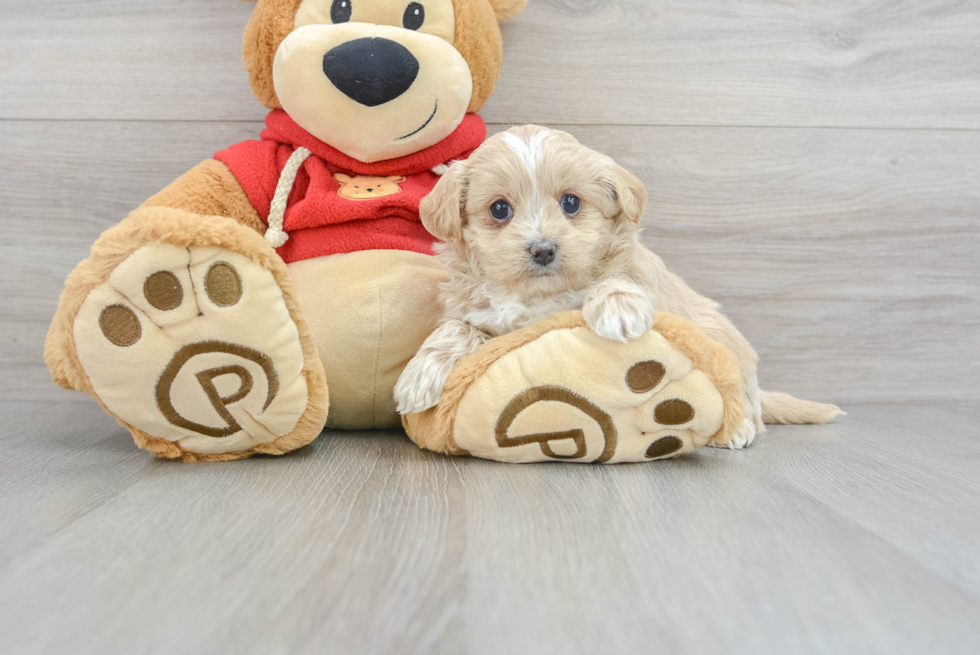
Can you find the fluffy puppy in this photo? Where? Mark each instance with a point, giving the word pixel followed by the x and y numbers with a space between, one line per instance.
pixel 535 223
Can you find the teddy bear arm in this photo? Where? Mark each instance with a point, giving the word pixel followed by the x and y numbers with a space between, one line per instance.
pixel 209 189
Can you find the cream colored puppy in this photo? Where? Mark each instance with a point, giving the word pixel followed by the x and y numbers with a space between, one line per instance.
pixel 535 223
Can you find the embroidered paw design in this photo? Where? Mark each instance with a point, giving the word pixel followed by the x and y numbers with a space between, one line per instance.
pixel 366 187
pixel 586 399
pixel 194 346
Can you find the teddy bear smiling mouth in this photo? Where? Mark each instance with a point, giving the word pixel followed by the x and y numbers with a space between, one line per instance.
pixel 424 125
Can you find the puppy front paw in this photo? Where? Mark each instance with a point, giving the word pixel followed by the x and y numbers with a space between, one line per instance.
pixel 619 316
pixel 420 386
pixel 741 437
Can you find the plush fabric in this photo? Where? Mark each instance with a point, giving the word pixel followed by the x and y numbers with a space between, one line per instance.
pixel 439 15
pixel 209 189
pixel 157 367
pixel 477 37
pixel 405 90
pixel 478 40
pixel 208 213
pixel 369 312
pixel 507 9
pixel 148 227
pixel 319 219
pixel 556 391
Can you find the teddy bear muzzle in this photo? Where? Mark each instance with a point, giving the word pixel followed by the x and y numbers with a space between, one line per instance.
pixel 373 92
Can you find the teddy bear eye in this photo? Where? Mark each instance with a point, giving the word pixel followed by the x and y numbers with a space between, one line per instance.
pixel 414 16
pixel 340 11
pixel 501 210
pixel 570 204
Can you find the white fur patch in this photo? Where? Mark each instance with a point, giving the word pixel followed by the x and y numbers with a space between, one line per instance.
pixel 529 152
pixel 501 311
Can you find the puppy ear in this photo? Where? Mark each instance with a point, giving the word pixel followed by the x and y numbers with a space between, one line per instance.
pixel 396 178
pixel 629 194
pixel 341 177
pixel 442 209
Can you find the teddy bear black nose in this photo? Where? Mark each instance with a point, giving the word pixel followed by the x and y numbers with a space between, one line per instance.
pixel 371 71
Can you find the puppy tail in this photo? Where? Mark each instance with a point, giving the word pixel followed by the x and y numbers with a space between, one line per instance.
pixel 782 408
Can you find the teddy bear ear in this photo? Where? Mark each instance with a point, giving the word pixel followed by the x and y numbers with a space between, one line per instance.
pixel 341 177
pixel 507 9
pixel 396 178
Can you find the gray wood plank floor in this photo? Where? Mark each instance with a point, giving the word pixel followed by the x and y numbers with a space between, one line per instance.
pixel 860 536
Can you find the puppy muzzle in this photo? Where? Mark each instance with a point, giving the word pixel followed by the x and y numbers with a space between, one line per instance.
pixel 543 253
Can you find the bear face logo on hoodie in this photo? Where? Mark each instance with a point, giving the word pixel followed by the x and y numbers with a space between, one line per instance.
pixel 367 187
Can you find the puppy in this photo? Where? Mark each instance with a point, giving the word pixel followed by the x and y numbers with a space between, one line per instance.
pixel 535 223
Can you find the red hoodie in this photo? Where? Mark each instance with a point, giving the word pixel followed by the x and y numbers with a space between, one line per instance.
pixel 365 207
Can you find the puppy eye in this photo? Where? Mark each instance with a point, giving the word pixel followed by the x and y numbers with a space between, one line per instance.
pixel 340 11
pixel 414 16
pixel 570 204
pixel 501 210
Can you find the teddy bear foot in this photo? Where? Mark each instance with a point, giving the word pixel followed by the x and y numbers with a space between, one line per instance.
pixel 194 350
pixel 556 391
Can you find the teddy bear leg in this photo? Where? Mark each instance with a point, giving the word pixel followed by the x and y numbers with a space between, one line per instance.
pixel 185 329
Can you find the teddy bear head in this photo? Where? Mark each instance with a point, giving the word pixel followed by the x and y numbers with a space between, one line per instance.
pixel 376 79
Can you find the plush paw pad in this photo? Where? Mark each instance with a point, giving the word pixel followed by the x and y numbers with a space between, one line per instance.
pixel 572 395
pixel 194 346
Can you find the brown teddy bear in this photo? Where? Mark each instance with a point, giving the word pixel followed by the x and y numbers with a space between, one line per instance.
pixel 212 321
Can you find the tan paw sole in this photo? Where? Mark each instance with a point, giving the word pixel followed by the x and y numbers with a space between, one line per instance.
pixel 557 392
pixel 194 346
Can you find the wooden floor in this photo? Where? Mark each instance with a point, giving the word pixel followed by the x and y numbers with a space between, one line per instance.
pixel 856 537
pixel 814 166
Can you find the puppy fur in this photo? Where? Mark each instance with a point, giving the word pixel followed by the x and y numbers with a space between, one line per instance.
pixel 495 284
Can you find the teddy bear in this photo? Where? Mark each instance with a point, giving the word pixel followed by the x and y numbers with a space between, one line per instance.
pixel 283 285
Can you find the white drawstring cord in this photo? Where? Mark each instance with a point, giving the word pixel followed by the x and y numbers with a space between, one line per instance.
pixel 277 209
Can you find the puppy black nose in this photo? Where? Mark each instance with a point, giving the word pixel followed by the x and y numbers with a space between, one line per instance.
pixel 543 253
pixel 371 71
